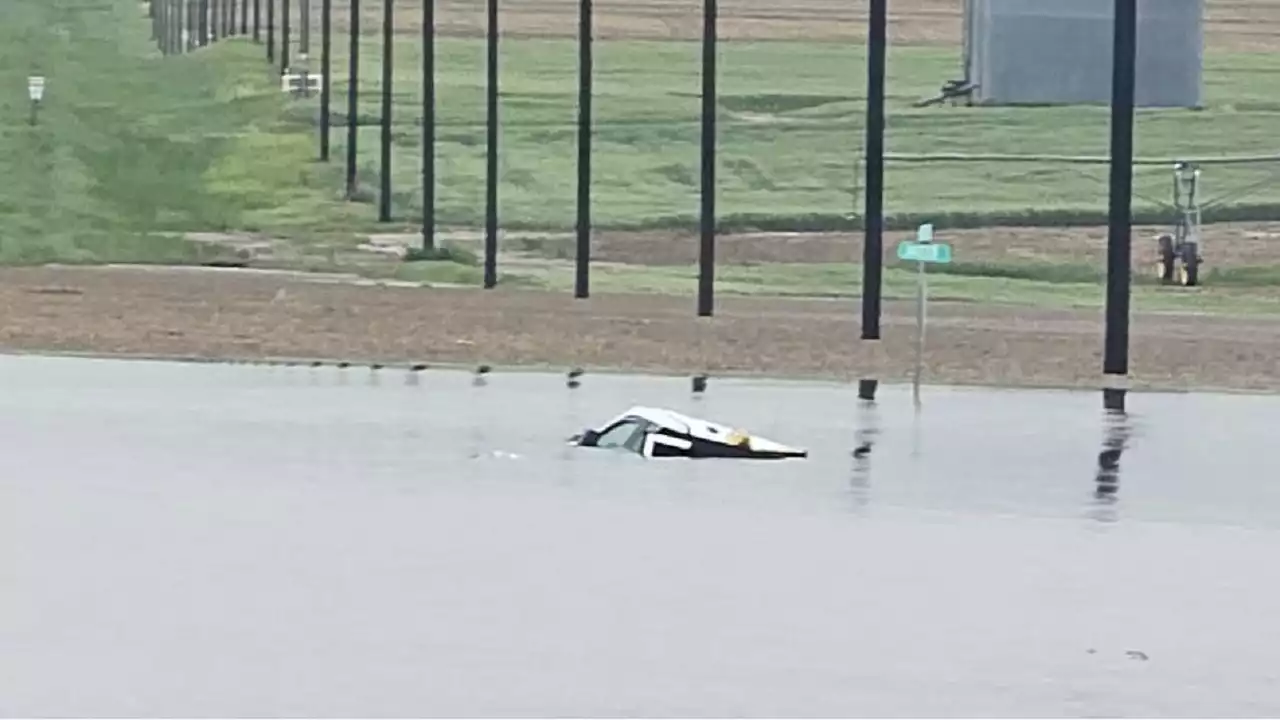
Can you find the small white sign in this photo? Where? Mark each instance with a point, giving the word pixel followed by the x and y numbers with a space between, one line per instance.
pixel 35 88
pixel 299 82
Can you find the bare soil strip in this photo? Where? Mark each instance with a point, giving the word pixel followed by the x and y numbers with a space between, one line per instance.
pixel 230 315
pixel 1226 245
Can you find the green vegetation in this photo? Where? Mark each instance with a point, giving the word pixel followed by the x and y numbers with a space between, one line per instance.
pixel 131 150
pixel 790 137
pixel 128 146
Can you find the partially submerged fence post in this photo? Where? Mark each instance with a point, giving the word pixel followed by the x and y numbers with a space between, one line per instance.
pixel 873 210
pixel 1115 364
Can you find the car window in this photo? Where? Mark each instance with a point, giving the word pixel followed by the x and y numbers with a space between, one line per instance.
pixel 626 434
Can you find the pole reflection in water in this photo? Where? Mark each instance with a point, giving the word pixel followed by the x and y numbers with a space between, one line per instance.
pixel 915 433
pixel 1116 432
pixel 573 381
pixel 868 431
pixel 478 381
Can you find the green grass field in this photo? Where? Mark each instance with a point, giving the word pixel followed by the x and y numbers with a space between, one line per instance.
pixel 790 138
pixel 126 143
pixel 130 146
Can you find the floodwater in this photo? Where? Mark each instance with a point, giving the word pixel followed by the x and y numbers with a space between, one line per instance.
pixel 184 540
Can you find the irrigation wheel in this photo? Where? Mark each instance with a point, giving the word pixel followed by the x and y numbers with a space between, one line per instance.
pixel 1165 267
pixel 1189 273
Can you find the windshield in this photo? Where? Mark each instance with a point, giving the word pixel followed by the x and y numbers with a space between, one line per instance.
pixel 628 434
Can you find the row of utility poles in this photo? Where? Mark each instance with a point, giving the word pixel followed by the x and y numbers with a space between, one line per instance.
pixel 180 25
pixel 264 23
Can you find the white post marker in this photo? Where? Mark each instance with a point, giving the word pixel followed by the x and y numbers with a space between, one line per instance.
pixel 35 91
pixel 923 251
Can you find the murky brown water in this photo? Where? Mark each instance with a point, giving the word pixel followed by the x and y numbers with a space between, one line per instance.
pixel 237 541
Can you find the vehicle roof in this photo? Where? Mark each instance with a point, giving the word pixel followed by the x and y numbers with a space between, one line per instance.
pixel 678 422
pixel 694 427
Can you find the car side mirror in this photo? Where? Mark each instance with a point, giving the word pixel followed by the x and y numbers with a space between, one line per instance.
pixel 588 438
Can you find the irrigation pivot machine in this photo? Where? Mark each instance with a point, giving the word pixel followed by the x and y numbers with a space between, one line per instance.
pixel 1180 252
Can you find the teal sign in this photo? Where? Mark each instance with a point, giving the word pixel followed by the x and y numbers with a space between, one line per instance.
pixel 927 252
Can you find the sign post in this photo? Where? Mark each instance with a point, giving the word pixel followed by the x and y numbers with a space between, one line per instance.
pixel 923 251
pixel 35 91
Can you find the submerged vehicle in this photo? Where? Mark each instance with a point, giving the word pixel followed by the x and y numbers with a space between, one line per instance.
pixel 656 432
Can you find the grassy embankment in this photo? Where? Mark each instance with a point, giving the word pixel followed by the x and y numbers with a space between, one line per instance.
pixel 130 145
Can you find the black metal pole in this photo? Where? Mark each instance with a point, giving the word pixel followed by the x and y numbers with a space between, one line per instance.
pixel 244 17
pixel 326 87
pixel 388 43
pixel 224 17
pixel 707 248
pixel 353 96
pixel 202 23
pixel 162 18
pixel 231 17
pixel 304 27
pixel 257 20
pixel 428 125
pixel 491 157
pixel 1124 60
pixel 193 24
pixel 271 31
pixel 175 27
pixel 284 36
pixel 873 212
pixel 166 28
pixel 582 272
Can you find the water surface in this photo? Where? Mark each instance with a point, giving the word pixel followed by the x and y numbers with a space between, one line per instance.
pixel 186 540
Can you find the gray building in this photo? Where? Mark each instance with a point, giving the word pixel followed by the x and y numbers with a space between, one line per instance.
pixel 1023 52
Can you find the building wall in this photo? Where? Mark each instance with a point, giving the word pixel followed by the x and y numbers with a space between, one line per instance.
pixel 1059 51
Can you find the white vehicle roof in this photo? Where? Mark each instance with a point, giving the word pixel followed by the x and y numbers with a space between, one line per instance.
pixel 699 428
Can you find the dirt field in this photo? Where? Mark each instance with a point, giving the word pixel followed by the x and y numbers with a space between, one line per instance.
pixel 1226 246
pixel 1230 25
pixel 232 315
